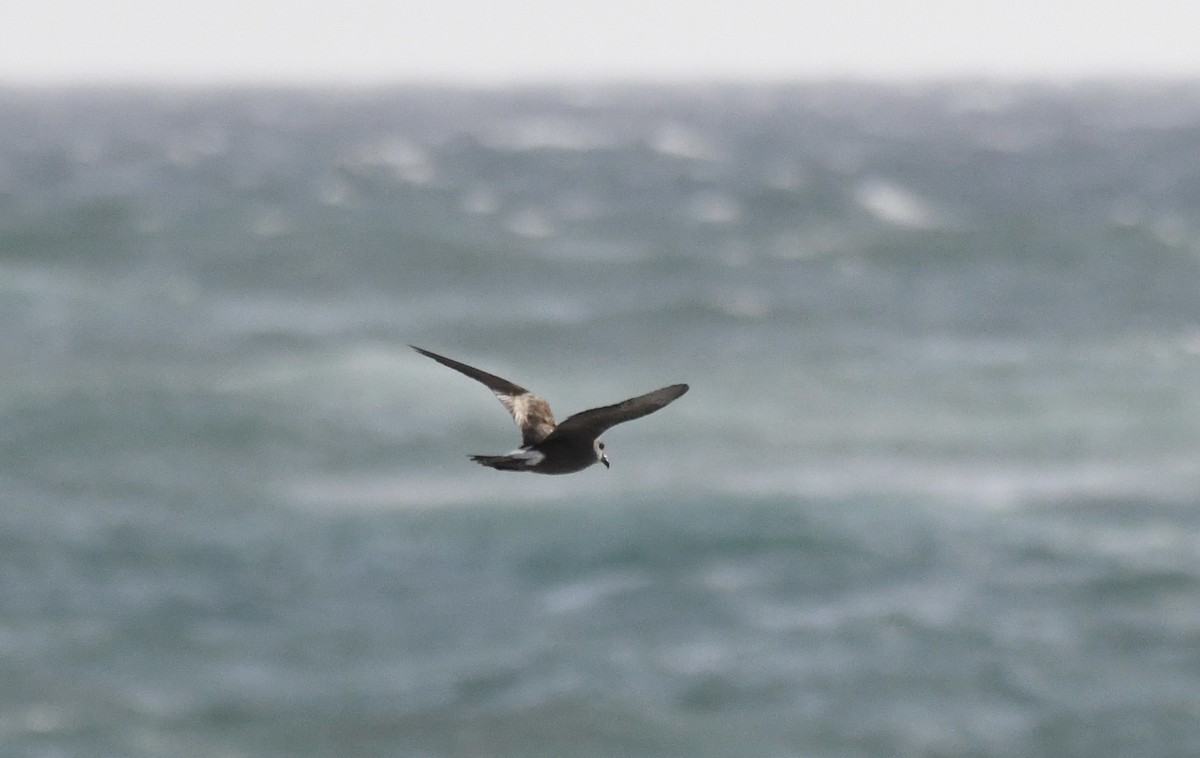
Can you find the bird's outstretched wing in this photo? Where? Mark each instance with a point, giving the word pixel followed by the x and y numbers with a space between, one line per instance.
pixel 531 412
pixel 596 420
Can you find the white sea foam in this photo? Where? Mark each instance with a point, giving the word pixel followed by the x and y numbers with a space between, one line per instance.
pixel 549 133
pixel 893 203
pixel 920 500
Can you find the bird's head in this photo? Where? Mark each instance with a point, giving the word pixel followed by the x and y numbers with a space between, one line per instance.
pixel 598 446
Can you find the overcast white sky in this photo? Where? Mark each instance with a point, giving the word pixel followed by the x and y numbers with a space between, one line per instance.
pixel 507 41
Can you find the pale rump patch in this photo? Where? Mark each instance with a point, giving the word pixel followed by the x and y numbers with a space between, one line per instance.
pixel 533 457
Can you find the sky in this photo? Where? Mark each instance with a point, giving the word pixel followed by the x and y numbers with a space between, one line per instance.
pixel 487 42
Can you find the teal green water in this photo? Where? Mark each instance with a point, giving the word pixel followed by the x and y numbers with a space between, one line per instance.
pixel 933 491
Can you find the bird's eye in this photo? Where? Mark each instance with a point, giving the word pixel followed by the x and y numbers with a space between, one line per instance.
pixel 601 445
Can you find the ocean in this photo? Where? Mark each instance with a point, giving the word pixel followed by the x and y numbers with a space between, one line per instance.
pixel 935 490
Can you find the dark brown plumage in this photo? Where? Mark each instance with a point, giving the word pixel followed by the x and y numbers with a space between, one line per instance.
pixel 547 448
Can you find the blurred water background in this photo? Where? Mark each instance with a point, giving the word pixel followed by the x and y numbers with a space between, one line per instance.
pixel 933 493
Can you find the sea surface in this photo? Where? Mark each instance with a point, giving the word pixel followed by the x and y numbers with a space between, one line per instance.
pixel 935 490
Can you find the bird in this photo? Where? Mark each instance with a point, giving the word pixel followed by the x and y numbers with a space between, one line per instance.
pixel 547 447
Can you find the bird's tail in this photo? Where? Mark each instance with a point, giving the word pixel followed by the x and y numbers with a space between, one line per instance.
pixel 502 462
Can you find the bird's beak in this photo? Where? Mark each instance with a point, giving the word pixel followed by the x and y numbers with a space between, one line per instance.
pixel 604 460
